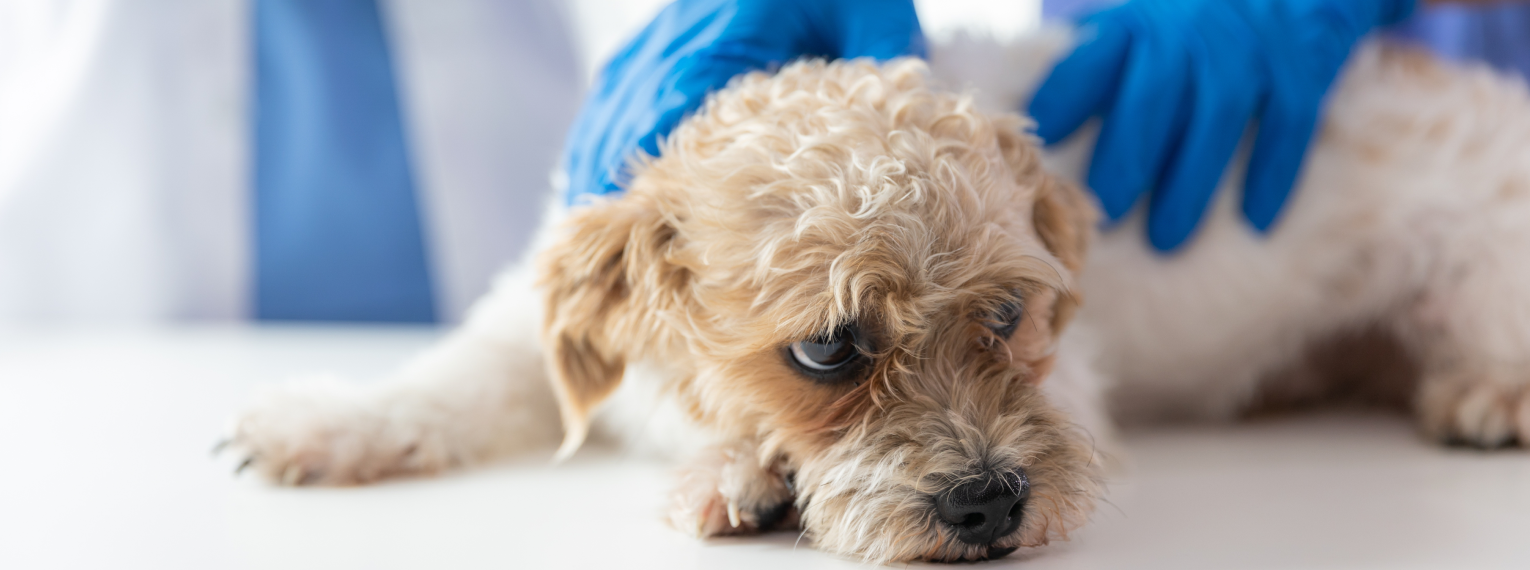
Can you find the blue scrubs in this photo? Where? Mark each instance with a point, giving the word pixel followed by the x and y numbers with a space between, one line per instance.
pixel 1498 34
pixel 338 231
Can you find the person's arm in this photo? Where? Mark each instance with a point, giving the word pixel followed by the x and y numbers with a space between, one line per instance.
pixel 694 47
pixel 1179 81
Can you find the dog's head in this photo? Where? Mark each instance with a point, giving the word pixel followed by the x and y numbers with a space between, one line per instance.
pixel 864 276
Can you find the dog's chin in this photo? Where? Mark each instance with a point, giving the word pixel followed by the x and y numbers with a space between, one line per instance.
pixel 970 553
pixel 997 552
pixel 979 554
pixel 955 553
pixel 942 550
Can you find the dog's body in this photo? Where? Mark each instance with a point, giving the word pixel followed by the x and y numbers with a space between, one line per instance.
pixel 669 308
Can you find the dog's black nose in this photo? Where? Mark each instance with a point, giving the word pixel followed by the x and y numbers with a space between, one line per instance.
pixel 986 509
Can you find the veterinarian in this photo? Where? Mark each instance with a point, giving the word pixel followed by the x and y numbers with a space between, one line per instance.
pixel 1178 82
pixel 340 160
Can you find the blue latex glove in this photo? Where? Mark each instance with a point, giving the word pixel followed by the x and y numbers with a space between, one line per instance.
pixel 1179 80
pixel 694 47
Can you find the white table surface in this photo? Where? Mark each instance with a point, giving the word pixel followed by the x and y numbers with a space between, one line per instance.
pixel 104 439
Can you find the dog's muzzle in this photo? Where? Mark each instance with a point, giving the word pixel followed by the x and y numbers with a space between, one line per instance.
pixel 984 510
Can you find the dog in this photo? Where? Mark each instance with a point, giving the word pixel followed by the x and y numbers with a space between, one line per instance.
pixel 850 297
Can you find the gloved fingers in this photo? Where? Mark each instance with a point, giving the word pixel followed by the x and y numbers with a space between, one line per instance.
pixel 1081 85
pixel 615 115
pixel 596 137
pixel 651 85
pixel 1226 96
pixel 879 29
pixel 1145 121
pixel 608 133
pixel 1285 129
pixel 698 74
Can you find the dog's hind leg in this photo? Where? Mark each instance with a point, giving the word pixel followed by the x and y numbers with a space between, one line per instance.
pixel 1432 162
pixel 479 394
pixel 1471 327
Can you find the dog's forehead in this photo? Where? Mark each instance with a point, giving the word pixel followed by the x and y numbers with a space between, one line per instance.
pixel 851 138
pixel 832 189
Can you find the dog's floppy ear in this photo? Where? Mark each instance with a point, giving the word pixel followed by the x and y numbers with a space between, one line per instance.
pixel 606 280
pixel 1064 219
pixel 1062 216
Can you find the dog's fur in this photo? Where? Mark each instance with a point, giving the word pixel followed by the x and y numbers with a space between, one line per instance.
pixel 838 193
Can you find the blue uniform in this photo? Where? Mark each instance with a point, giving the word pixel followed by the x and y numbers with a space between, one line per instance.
pixel 1497 34
pixel 357 160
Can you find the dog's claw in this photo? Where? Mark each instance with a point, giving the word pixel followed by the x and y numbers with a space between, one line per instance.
pixel 220 446
pixel 733 518
pixel 244 464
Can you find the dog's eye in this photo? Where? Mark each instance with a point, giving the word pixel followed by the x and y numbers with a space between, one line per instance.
pixel 829 358
pixel 1006 319
pixel 824 354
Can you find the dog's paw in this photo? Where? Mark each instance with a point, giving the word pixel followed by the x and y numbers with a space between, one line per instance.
pixel 328 433
pixel 725 491
pixel 1477 411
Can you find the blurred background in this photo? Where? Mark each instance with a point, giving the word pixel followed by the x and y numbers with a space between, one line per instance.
pixel 287 160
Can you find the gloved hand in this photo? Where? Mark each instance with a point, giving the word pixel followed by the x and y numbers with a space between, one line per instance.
pixel 696 46
pixel 1178 82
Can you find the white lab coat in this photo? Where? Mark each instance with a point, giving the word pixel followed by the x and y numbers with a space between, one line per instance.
pixel 125 148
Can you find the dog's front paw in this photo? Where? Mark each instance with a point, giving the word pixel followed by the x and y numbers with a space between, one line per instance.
pixel 1475 410
pixel 726 491
pixel 328 433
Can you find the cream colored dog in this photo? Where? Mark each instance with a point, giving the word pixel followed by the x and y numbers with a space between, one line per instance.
pixel 841 295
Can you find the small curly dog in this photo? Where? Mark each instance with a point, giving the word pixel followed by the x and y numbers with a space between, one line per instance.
pixel 840 295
